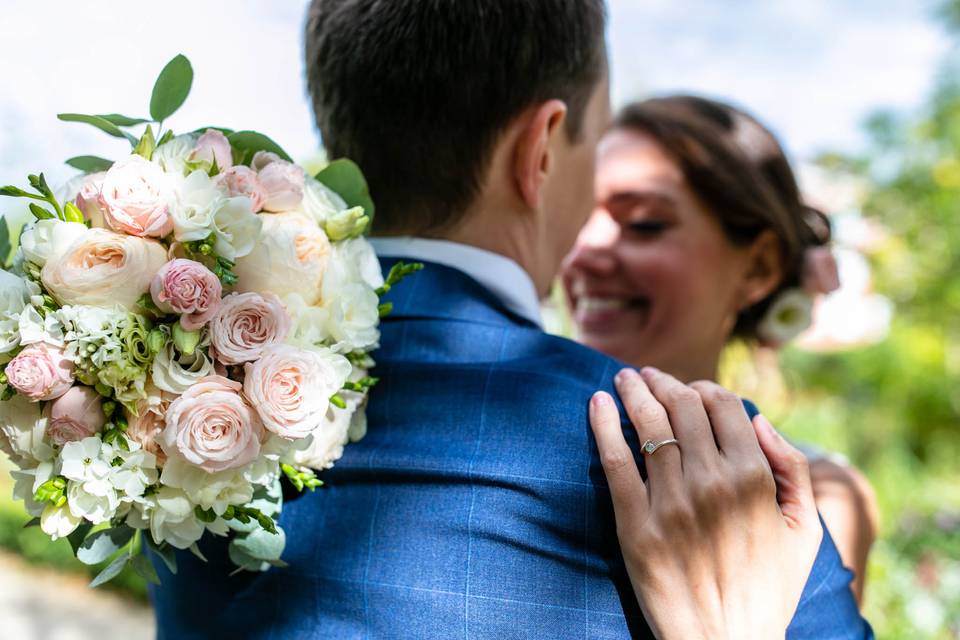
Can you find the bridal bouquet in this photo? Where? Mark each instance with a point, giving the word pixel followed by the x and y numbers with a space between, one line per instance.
pixel 180 329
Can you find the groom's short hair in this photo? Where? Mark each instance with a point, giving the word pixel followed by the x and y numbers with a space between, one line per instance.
pixel 418 91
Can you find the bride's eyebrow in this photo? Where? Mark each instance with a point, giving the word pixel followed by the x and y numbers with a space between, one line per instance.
pixel 626 199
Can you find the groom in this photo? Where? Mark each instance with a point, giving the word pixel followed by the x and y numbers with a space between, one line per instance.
pixel 475 507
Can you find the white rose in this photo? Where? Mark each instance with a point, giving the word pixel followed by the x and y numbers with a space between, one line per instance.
pixel 22 428
pixel 102 268
pixel 172 518
pixel 172 155
pixel 359 253
pixel 309 322
pixel 290 257
pixel 16 294
pixel 175 373
pixel 319 201
pixel 49 237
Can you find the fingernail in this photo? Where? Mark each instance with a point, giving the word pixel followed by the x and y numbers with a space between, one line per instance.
pixel 599 399
pixel 767 426
pixel 623 374
pixel 646 372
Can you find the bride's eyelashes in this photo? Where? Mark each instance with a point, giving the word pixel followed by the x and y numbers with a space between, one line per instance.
pixel 647 228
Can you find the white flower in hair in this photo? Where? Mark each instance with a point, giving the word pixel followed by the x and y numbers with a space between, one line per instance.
pixel 788 316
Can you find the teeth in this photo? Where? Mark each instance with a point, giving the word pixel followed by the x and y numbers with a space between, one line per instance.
pixel 601 304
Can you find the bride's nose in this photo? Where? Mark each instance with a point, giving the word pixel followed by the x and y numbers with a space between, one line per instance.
pixel 594 248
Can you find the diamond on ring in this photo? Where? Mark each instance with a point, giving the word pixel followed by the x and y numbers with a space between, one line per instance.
pixel 649 447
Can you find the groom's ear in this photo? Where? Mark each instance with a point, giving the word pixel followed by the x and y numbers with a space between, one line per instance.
pixel 533 156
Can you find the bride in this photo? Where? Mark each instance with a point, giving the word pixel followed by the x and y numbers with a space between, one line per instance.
pixel 699 229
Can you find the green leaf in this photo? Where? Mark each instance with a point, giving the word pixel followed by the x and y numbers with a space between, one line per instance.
pixel 345 178
pixel 5 249
pixel 35 522
pixel 141 564
pixel 76 538
pixel 243 559
pixel 223 130
pixel 171 88
pixel 262 544
pixel 253 141
pixel 121 120
pixel 112 571
pixel 102 544
pixel 15 192
pixel 165 551
pixel 100 123
pixel 90 164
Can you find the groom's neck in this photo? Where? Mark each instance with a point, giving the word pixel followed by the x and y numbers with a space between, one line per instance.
pixel 503 232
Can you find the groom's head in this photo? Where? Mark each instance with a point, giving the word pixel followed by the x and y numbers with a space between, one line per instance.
pixel 468 117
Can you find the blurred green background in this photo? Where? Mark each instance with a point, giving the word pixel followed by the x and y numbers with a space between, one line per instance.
pixel 893 407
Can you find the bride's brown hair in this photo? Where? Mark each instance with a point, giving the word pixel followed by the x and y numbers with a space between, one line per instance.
pixel 738 169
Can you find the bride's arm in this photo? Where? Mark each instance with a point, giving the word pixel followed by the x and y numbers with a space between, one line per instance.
pixel 709 551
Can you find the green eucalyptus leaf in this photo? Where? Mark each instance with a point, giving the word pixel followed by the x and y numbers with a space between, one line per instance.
pixel 121 120
pixel 76 538
pixel 141 564
pixel 112 571
pixel 345 178
pixel 243 559
pixel 5 248
pixel 171 88
pixel 100 123
pixel 203 130
pixel 164 551
pixel 103 544
pixel 90 164
pixel 253 141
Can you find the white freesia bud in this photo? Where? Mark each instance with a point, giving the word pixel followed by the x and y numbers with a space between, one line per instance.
pixel 58 522
pixel 348 223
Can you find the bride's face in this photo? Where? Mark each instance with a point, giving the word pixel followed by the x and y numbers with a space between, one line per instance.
pixel 653 280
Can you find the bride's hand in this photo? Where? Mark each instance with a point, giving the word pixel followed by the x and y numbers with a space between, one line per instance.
pixel 720 539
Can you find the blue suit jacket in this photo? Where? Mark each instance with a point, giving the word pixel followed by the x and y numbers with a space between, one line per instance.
pixel 475 507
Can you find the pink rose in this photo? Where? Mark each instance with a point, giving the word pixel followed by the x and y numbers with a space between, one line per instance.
pixel 136 196
pixel 245 325
pixel 212 147
pixel 291 387
pixel 188 288
pixel 820 273
pixel 88 199
pixel 242 181
pixel 75 415
pixel 147 426
pixel 40 372
pixel 212 426
pixel 282 181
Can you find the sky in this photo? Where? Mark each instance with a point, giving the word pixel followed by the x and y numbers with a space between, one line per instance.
pixel 812 69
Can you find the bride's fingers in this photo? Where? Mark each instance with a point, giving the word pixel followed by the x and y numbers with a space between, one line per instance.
pixel 688 419
pixel 792 474
pixel 626 487
pixel 649 418
pixel 731 425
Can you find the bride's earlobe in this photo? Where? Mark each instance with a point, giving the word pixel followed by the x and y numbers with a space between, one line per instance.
pixel 533 157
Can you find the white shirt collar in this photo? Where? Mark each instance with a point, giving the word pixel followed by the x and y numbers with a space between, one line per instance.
pixel 499 274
